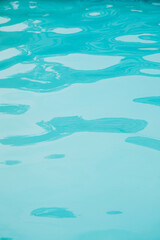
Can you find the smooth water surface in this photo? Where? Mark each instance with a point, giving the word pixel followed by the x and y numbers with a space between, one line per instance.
pixel 80 120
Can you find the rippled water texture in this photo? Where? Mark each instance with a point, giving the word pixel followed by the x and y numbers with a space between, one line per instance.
pixel 80 120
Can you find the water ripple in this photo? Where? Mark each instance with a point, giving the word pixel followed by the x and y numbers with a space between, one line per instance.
pixel 55 156
pixel 53 213
pixel 14 109
pixel 145 142
pixel 155 100
pixel 10 162
pixel 62 127
pixel 98 59
pixel 114 212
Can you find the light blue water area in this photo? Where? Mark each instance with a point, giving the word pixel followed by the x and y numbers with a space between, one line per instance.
pixel 79 119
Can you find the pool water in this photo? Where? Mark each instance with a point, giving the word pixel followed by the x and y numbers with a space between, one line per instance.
pixel 80 114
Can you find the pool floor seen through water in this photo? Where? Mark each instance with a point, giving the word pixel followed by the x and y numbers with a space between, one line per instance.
pixel 79 120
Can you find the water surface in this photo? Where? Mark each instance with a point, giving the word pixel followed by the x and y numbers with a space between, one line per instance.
pixel 79 112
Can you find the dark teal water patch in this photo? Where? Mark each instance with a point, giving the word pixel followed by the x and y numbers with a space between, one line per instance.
pixel 14 109
pixel 64 126
pixel 149 100
pixel 114 212
pixel 109 235
pixel 55 156
pixel 145 142
pixel 10 162
pixel 6 238
pixel 53 213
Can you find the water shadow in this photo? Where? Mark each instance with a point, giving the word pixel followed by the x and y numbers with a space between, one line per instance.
pixel 55 156
pixel 145 142
pixel 53 213
pixel 10 162
pixel 114 212
pixel 149 100
pixel 64 126
pixel 14 109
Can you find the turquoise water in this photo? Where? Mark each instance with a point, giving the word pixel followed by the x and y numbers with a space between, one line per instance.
pixel 79 113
